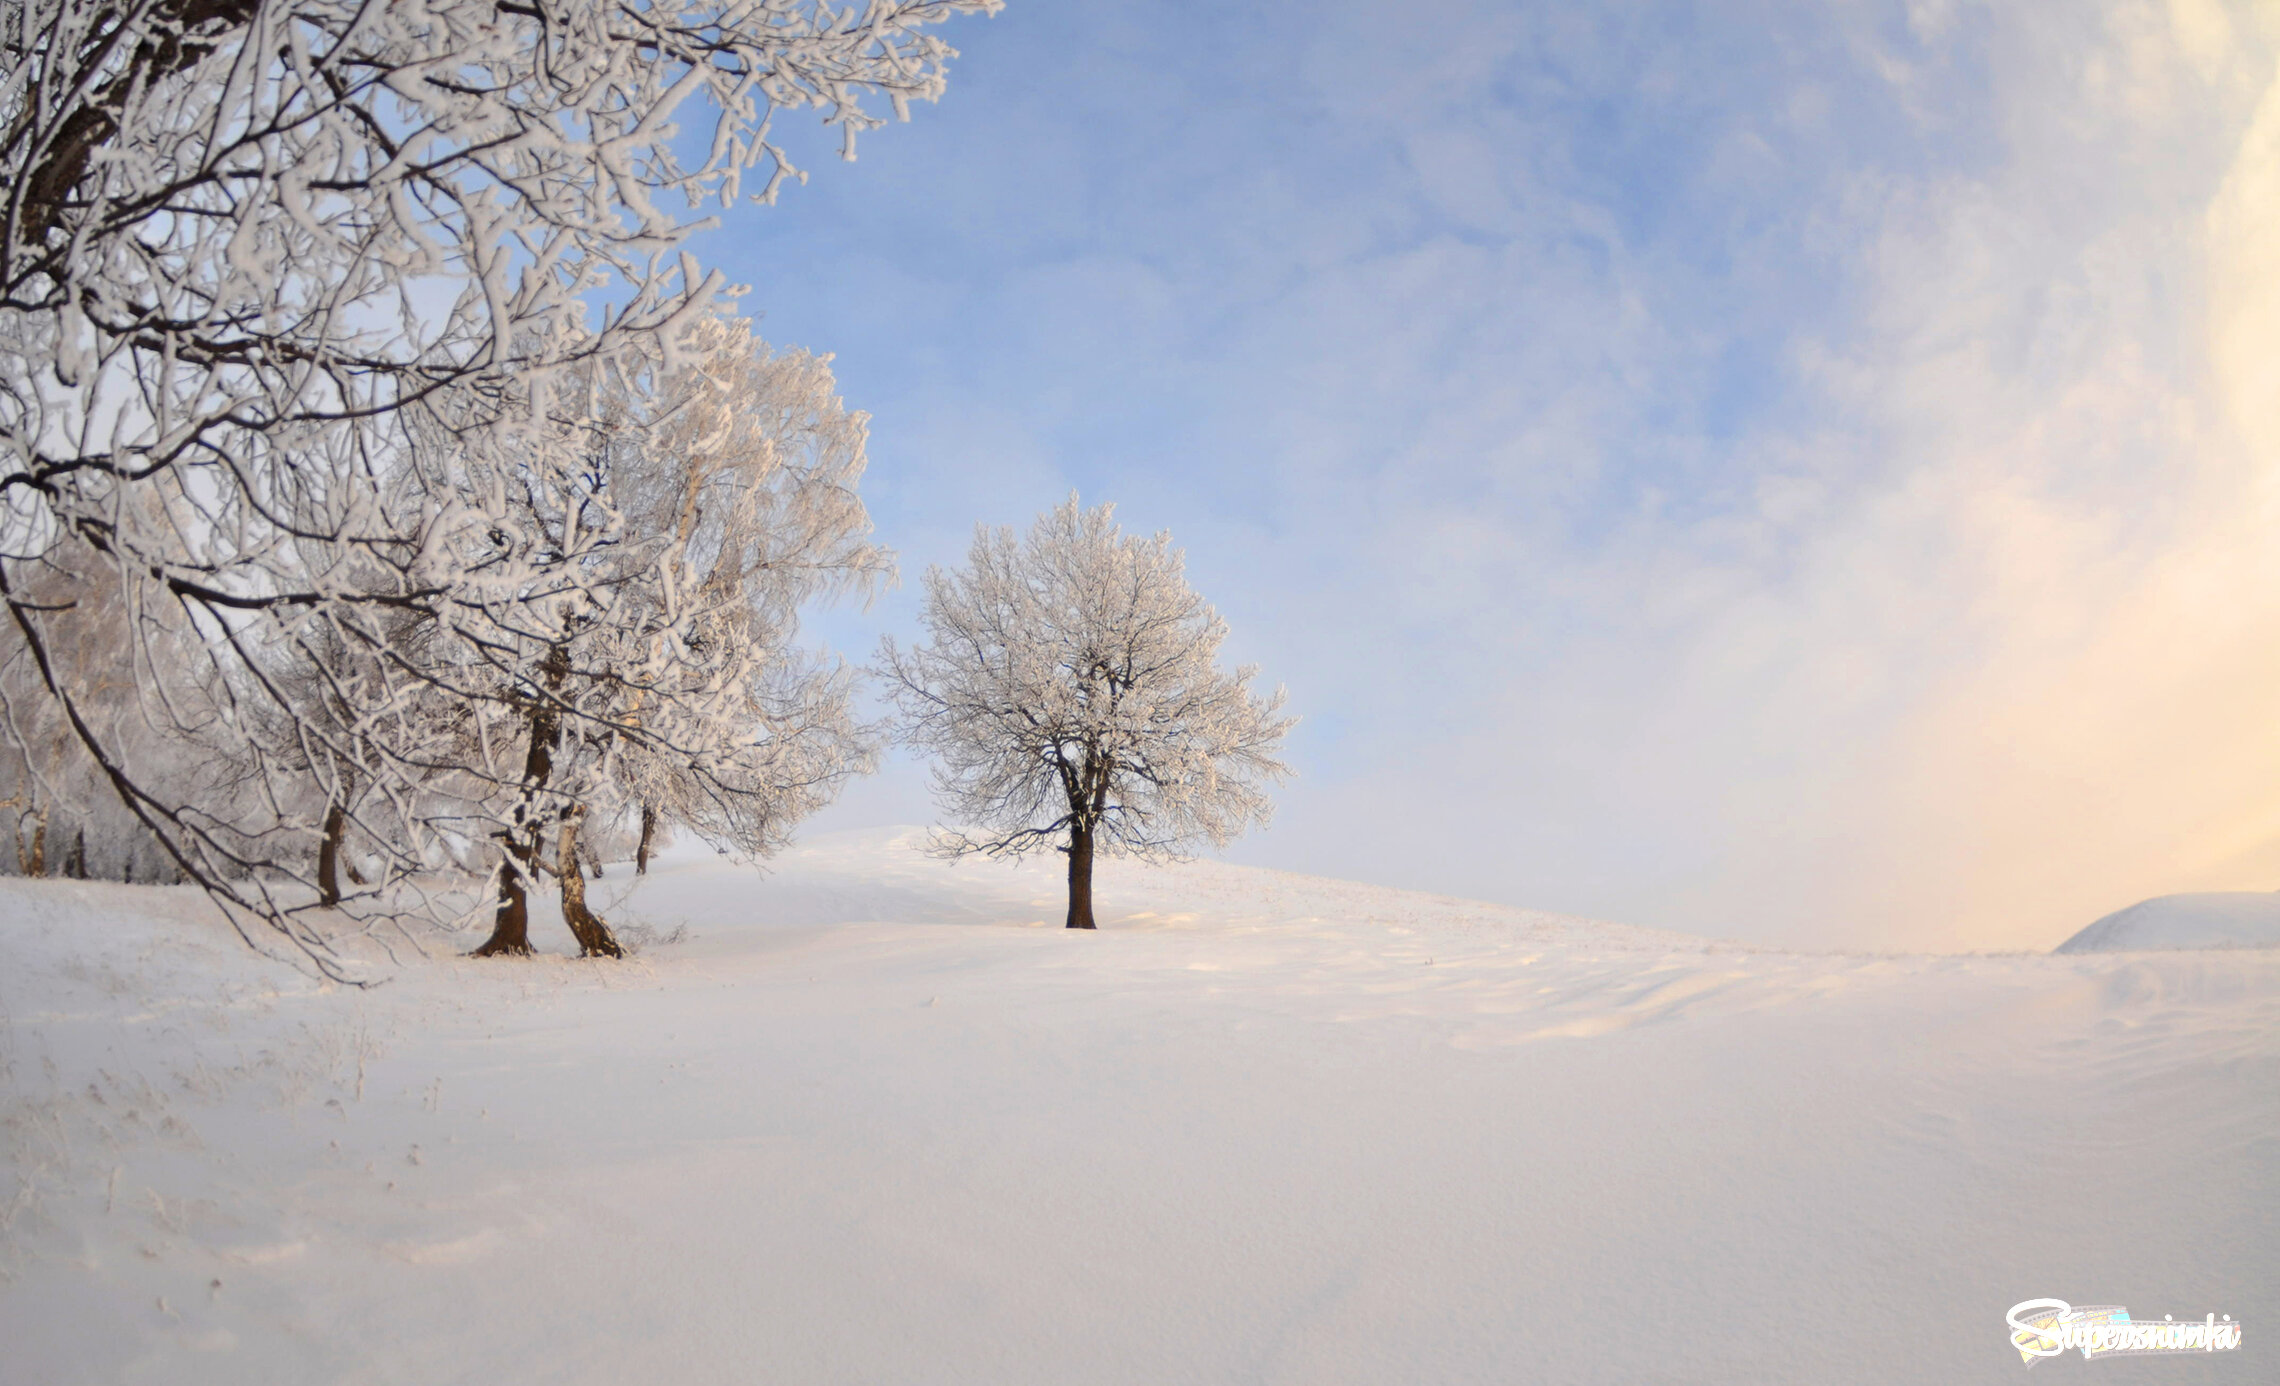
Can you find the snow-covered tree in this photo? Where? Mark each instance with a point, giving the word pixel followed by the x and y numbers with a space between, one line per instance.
pixel 261 264
pixel 748 481
pixel 66 814
pixel 1071 695
pixel 694 507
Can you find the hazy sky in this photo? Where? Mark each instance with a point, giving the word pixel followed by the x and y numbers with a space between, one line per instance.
pixel 1806 472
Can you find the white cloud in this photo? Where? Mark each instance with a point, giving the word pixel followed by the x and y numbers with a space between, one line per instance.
pixel 1983 643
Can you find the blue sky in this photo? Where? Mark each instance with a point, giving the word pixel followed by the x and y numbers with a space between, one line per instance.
pixel 1782 470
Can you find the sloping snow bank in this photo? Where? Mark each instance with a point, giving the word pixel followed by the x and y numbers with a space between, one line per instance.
pixel 866 1122
pixel 2215 919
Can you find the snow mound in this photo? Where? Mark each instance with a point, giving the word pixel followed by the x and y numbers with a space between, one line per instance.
pixel 2212 919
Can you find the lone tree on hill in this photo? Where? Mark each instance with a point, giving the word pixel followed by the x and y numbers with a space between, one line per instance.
pixel 1071 698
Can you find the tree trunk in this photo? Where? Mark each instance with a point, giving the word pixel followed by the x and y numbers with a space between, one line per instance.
pixel 75 861
pixel 648 833
pixel 594 937
pixel 34 862
pixel 328 856
pixel 344 860
pixel 49 187
pixel 1080 878
pixel 510 929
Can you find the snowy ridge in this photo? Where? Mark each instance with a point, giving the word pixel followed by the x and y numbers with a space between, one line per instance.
pixel 887 874
pixel 2214 919
pixel 868 1121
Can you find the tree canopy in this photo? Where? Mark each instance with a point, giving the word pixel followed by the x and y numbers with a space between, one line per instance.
pixel 1070 693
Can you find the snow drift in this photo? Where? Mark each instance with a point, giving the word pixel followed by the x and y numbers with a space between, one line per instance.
pixel 2214 919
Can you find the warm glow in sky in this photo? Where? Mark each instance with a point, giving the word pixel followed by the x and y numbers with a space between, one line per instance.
pixel 1808 472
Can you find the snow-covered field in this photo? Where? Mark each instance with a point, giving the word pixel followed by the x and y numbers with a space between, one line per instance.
pixel 869 1121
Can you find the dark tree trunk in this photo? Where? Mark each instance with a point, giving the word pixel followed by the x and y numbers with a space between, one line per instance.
pixel 594 937
pixel 328 856
pixel 51 186
pixel 75 861
pixel 510 928
pixel 1080 878
pixel 648 834
pixel 518 864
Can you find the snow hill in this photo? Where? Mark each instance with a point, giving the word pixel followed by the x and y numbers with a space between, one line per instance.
pixel 2215 919
pixel 866 1120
